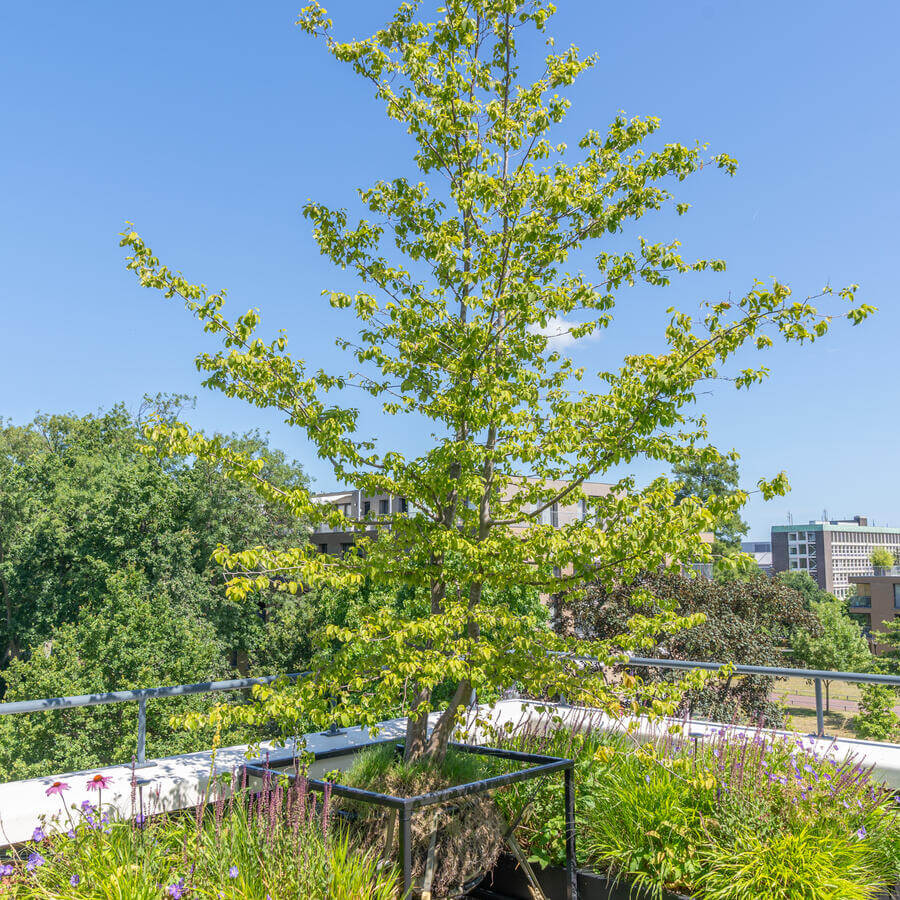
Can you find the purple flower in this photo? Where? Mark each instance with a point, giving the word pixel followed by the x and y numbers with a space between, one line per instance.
pixel 862 832
pixel 176 890
pixel 75 880
pixel 71 834
pixel 6 870
pixel 34 860
pixel 38 834
pixel 57 788
pixel 233 872
pixel 87 806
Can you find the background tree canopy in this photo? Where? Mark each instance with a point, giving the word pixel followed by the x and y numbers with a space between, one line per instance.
pixel 107 581
pixel 749 622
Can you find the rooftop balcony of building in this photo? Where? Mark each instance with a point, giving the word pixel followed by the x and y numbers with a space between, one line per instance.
pixel 184 782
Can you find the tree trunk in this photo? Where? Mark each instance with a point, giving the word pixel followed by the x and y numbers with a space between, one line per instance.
pixel 416 731
pixel 436 748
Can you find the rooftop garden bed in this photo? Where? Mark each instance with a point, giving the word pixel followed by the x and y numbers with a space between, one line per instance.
pixel 269 845
pixel 734 818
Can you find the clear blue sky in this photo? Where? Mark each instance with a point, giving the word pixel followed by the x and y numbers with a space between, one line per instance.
pixel 209 124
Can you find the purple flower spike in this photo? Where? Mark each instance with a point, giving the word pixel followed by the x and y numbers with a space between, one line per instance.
pixel 861 833
pixel 176 890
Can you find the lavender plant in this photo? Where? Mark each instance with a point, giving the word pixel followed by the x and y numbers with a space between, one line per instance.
pixel 270 844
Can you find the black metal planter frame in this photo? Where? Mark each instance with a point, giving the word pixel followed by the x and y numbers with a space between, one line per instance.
pixel 540 765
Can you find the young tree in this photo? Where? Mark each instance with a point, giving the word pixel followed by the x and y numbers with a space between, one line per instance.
pixel 881 558
pixel 703 480
pixel 838 647
pixel 463 273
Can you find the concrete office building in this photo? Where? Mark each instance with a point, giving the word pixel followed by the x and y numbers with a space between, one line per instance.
pixel 366 510
pixel 833 551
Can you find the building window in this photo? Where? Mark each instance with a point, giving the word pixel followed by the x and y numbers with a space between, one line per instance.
pixel 345 548
pixel 383 507
pixel 583 510
pixel 404 506
pixel 896 596
pixel 554 515
pixel 367 508
pixel 792 536
pixel 323 548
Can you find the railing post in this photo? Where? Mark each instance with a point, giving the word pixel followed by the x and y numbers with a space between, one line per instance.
pixel 142 732
pixel 405 848
pixel 820 710
pixel 571 861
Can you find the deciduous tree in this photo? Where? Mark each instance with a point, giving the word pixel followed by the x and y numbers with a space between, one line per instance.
pixel 463 274
pixel 749 622
pixel 838 647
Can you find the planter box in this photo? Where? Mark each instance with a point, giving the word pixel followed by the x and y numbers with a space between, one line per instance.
pixel 509 882
pixel 539 765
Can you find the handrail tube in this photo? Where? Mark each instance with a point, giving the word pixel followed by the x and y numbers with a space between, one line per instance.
pixel 139 694
pixel 775 671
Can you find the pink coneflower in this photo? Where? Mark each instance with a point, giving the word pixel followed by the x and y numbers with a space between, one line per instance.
pixel 57 788
pixel 98 782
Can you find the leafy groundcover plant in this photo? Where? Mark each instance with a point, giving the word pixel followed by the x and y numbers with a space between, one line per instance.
pixel 274 845
pixel 736 817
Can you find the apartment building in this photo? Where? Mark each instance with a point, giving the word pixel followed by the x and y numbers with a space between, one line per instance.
pixel 877 600
pixel 366 509
pixel 761 551
pixel 833 552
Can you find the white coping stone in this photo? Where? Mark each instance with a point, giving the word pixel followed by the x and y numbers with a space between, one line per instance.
pixel 181 781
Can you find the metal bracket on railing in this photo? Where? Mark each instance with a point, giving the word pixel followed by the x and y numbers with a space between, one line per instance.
pixel 141 760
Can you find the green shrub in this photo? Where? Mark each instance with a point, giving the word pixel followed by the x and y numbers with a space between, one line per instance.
pixel 877 720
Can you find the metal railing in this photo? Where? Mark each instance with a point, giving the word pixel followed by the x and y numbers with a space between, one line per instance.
pixel 817 676
pixel 142 695
pixel 139 696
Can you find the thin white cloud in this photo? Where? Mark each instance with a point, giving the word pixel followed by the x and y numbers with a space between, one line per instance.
pixel 558 332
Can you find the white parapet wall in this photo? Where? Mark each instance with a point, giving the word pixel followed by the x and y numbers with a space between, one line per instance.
pixel 180 782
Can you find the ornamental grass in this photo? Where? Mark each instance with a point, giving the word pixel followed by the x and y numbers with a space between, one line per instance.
pixel 736 816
